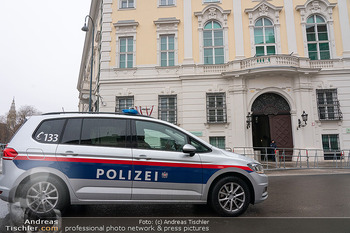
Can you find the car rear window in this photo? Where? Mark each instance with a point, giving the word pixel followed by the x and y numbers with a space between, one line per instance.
pixel 49 131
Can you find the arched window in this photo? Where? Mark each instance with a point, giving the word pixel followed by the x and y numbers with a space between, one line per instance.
pixel 213 43
pixel 317 38
pixel 264 37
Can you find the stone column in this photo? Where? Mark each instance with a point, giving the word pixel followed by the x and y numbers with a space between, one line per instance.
pixel 345 26
pixel 238 28
pixel 188 45
pixel 290 25
pixel 238 93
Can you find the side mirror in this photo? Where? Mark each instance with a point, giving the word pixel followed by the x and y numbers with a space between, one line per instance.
pixel 189 149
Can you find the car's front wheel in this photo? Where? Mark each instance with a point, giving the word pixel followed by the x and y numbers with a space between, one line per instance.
pixel 44 194
pixel 230 196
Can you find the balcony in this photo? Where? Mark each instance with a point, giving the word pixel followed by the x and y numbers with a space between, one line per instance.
pixel 273 61
pixel 270 63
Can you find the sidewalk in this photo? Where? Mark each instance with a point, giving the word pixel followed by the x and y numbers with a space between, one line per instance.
pixel 310 171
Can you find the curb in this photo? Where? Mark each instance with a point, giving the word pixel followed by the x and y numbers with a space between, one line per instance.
pixel 310 171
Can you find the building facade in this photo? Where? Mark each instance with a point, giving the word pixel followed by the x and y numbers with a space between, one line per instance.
pixel 237 73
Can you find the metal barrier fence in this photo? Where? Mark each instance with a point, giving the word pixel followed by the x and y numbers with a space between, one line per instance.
pixel 289 158
pixel 294 158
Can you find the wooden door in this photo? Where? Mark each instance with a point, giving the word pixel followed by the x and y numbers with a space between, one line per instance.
pixel 281 132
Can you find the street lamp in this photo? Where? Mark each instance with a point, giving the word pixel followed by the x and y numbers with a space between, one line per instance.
pixel 85 29
pixel 304 118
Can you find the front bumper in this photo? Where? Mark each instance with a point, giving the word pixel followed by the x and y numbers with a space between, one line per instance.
pixel 260 187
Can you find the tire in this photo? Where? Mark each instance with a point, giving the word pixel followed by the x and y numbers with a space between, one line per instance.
pixel 43 195
pixel 230 196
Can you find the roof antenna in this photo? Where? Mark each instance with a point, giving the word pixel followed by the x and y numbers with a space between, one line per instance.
pixel 62 109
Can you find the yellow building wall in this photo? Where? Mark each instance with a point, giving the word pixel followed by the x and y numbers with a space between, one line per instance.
pixel 145 14
pixel 283 26
pixel 146 37
pixel 246 32
pixel 198 6
pixel 245 22
pixel 298 29
pixel 337 30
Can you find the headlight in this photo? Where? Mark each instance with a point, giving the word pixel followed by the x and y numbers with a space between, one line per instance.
pixel 257 167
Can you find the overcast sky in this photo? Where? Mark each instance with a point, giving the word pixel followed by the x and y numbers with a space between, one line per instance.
pixel 41 47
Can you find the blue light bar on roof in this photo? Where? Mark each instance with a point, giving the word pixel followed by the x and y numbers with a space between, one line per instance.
pixel 131 111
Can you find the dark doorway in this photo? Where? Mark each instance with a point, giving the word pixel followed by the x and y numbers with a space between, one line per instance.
pixel 272 121
pixel 261 131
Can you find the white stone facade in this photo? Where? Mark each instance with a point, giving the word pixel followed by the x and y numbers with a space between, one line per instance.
pixel 242 78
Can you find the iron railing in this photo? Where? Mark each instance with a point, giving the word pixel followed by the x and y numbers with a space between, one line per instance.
pixel 294 158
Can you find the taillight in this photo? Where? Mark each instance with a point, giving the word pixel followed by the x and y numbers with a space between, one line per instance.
pixel 9 154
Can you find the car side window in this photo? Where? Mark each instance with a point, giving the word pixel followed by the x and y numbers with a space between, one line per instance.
pixel 200 148
pixel 103 132
pixel 72 131
pixel 155 136
pixel 49 131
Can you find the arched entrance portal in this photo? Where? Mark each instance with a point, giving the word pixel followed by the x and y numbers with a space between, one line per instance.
pixel 271 121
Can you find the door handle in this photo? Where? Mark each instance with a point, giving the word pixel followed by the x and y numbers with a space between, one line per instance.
pixel 143 157
pixel 69 153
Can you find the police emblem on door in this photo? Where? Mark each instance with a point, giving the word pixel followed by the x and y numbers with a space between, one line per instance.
pixel 164 175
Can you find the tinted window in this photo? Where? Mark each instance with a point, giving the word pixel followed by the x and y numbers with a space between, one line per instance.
pixel 49 131
pixel 72 131
pixel 159 137
pixel 104 132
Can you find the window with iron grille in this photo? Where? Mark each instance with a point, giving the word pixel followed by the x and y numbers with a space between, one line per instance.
pixel 216 108
pixel 328 104
pixel 124 102
pixel 167 108
pixel 219 142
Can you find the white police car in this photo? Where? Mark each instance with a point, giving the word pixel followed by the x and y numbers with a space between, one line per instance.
pixel 80 158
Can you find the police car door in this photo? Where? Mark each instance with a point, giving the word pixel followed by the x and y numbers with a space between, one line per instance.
pixel 161 170
pixel 95 158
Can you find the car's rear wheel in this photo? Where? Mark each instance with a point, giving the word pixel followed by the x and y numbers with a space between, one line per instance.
pixel 44 194
pixel 230 196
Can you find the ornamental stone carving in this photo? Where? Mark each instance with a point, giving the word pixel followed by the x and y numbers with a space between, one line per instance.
pixel 323 7
pixel 270 104
pixel 212 13
pixel 263 10
pixel 315 7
